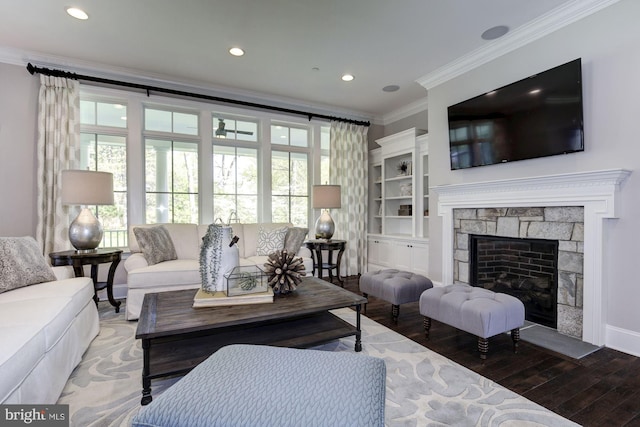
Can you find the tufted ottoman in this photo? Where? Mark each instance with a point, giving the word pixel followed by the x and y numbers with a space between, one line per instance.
pixel 394 286
pixel 257 385
pixel 478 311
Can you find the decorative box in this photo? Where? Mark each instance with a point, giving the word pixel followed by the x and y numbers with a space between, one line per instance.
pixel 405 210
pixel 246 279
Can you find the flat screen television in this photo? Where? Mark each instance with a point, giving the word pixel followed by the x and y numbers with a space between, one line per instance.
pixel 535 117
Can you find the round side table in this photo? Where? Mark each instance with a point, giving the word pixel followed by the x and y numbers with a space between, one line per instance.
pixel 317 246
pixel 100 256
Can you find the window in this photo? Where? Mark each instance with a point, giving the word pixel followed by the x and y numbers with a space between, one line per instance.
pixel 103 147
pixel 171 166
pixel 325 143
pixel 241 130
pixel 235 183
pixel 289 187
pixel 285 135
pixel 171 176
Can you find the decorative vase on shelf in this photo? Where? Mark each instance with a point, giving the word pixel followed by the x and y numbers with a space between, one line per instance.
pixel 218 256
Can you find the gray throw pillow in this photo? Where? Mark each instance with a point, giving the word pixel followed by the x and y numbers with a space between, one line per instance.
pixel 22 263
pixel 294 238
pixel 270 241
pixel 155 243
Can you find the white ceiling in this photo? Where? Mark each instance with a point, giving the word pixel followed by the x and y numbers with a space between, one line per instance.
pixel 380 42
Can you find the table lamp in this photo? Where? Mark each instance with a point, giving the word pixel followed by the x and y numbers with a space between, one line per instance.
pixel 325 197
pixel 86 188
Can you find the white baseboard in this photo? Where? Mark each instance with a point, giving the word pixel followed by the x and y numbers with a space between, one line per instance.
pixel 623 340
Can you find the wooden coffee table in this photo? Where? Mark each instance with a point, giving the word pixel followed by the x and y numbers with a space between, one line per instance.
pixel 176 337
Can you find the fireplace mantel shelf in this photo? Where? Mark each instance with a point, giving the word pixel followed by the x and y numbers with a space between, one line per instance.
pixel 597 191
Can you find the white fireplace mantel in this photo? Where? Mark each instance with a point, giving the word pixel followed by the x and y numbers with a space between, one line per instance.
pixel 597 191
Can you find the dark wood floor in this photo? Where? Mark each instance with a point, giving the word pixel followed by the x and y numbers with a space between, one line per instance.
pixel 601 389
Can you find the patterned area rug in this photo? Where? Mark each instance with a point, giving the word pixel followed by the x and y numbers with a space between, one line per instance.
pixel 423 387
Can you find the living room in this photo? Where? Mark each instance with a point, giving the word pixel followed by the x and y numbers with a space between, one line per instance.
pixel 606 41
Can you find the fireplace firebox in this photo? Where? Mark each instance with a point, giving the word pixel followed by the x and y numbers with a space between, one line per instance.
pixel 524 268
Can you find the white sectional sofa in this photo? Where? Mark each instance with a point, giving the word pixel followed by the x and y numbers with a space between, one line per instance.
pixel 184 272
pixel 45 329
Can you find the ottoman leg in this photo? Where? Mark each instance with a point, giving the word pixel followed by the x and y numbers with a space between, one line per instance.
pixel 364 294
pixel 483 346
pixel 427 325
pixel 395 311
pixel 515 337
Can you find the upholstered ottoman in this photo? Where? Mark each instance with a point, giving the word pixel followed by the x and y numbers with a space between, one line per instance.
pixel 255 385
pixel 394 286
pixel 478 311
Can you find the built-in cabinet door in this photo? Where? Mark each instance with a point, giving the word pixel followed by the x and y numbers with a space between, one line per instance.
pixel 420 259
pixel 378 252
pixel 401 253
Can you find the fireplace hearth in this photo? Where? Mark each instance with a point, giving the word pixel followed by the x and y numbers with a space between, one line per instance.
pixel 524 268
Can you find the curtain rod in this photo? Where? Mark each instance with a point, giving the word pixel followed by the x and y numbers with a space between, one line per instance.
pixel 70 75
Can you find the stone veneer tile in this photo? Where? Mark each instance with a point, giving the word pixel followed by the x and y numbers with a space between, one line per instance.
pixel 570 321
pixel 550 230
pixel 579 291
pixel 578 232
pixel 570 261
pixel 463 272
pixel 462 241
pixel 526 212
pixel 491 213
pixel 564 214
pixel 461 256
pixel 508 227
pixel 473 226
pixel 492 228
pixel 580 247
pixel 567 288
pixel 564 245
pixel 464 214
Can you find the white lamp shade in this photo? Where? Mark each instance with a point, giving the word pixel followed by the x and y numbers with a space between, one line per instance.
pixel 326 196
pixel 80 187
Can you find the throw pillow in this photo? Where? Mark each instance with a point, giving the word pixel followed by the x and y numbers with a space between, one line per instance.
pixel 270 241
pixel 294 238
pixel 22 263
pixel 155 243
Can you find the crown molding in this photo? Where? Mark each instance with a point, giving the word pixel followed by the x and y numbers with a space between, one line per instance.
pixel 21 58
pixel 551 21
pixel 406 111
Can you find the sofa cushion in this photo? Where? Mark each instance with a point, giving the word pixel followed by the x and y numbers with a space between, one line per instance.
pixel 22 263
pixel 175 272
pixel 294 238
pixel 270 240
pixel 29 333
pixel 156 244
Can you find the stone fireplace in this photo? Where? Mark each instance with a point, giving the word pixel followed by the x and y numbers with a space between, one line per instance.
pixel 537 255
pixel 570 208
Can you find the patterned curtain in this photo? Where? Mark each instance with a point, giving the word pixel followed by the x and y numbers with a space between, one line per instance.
pixel 349 169
pixel 58 146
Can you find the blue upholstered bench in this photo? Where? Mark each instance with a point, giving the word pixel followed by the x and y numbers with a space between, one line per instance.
pixel 254 385
pixel 394 286
pixel 479 311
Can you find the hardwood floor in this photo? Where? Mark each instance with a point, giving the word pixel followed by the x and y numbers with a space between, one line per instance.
pixel 601 389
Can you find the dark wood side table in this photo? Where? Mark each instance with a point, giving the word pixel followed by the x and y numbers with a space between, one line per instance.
pixel 317 246
pixel 100 256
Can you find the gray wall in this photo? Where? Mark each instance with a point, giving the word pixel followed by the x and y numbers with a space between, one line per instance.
pixel 18 135
pixel 417 120
pixel 609 45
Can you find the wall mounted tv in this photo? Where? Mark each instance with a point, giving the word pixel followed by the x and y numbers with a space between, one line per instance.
pixel 535 117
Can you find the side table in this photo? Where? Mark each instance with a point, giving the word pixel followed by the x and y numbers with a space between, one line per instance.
pixel 317 246
pixel 99 256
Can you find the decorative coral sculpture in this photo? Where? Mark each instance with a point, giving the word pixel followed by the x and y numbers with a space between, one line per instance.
pixel 285 271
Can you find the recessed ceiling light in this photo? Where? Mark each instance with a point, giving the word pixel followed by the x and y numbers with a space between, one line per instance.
pixel 347 77
pixel 77 13
pixel 495 32
pixel 236 51
pixel 390 88
pixel 534 91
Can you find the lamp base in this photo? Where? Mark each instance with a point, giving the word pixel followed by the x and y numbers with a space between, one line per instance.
pixel 325 226
pixel 85 232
